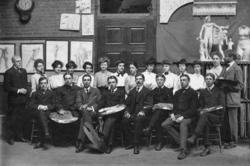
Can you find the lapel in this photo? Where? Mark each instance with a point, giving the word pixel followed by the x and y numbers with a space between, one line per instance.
pixel 231 68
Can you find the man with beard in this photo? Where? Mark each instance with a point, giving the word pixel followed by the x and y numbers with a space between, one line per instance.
pixel 138 105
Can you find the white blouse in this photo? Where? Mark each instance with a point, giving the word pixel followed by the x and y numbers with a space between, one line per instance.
pixel 56 81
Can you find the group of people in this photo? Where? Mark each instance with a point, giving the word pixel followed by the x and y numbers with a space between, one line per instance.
pixel 141 93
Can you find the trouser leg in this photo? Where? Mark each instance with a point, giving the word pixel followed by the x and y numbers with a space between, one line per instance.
pixel 139 123
pixel 184 132
pixel 233 123
pixel 86 117
pixel 108 129
pixel 168 124
pixel 127 130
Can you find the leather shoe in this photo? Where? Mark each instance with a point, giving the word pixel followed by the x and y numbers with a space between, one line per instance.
pixel 182 155
pixel 147 130
pixel 136 149
pixel 129 147
pixel 205 152
pixel 191 139
pixel 79 147
pixel 159 146
pixel 108 149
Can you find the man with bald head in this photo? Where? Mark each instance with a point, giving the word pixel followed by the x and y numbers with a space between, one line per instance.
pixel 15 84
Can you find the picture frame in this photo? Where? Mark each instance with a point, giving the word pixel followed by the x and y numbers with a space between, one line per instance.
pixel 29 53
pixel 56 50
pixel 70 22
pixel 7 51
pixel 83 6
pixel 80 52
pixel 88 25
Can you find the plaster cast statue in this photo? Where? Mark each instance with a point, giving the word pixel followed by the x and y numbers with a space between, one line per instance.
pixel 243 47
pixel 211 34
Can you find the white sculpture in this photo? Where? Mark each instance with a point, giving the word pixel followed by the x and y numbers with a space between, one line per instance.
pixel 243 47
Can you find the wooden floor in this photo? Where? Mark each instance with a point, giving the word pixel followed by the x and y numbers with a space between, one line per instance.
pixel 23 154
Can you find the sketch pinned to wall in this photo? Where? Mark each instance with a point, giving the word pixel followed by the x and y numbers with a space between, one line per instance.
pixel 83 6
pixel 80 52
pixel 56 50
pixel 87 25
pixel 70 22
pixel 7 51
pixel 30 52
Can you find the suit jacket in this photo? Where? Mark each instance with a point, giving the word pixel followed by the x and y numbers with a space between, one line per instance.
pixel 66 97
pixel 162 95
pixel 14 80
pixel 234 73
pixel 186 103
pixel 210 98
pixel 92 98
pixel 111 99
pixel 136 101
pixel 40 97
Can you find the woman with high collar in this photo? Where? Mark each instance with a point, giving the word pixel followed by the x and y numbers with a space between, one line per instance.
pixel 56 80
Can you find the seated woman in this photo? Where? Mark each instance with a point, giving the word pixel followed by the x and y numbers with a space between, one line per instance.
pixel 41 104
pixel 71 66
pixel 101 76
pixel 34 79
pixel 56 80
pixel 130 79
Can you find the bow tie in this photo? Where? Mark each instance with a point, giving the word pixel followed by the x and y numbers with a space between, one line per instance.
pixel 120 74
pixel 166 73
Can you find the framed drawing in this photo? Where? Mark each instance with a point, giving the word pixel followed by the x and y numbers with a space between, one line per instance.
pixel 83 6
pixel 80 52
pixel 56 50
pixel 70 22
pixel 88 25
pixel 7 51
pixel 30 52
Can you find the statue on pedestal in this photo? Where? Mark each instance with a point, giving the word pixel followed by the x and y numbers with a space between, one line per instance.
pixel 243 47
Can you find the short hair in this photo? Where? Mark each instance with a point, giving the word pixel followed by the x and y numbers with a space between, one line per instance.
pixel 37 61
pixel 133 63
pixel 87 63
pixel 216 53
pixel 119 62
pixel 185 75
pixel 231 53
pixel 150 61
pixel 211 75
pixel 56 63
pixel 104 59
pixel 67 73
pixel 14 58
pixel 160 75
pixel 71 64
pixel 86 75
pixel 140 74
pixel 42 78
pixel 112 77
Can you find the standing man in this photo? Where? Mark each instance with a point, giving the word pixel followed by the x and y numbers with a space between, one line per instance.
pixel 161 94
pixel 15 84
pixel 86 102
pixel 233 72
pixel 41 104
pixel 138 105
pixel 111 97
pixel 185 104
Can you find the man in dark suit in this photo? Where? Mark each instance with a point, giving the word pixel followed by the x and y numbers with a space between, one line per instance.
pixel 15 84
pixel 41 104
pixel 209 97
pixel 138 101
pixel 111 97
pixel 233 97
pixel 185 104
pixel 86 102
pixel 161 94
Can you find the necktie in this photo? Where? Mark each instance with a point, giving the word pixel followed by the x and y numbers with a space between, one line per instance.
pixel 86 91
pixel 166 73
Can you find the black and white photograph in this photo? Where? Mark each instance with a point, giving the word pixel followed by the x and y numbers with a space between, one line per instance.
pixel 125 83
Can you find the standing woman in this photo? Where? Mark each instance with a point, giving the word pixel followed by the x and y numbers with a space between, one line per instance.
pixel 217 69
pixel 34 79
pixel 56 80
pixel 71 66
pixel 130 79
pixel 101 77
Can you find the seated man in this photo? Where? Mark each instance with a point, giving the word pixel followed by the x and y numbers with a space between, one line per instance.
pixel 111 97
pixel 209 97
pixel 65 106
pixel 137 102
pixel 161 94
pixel 86 102
pixel 41 104
pixel 185 104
